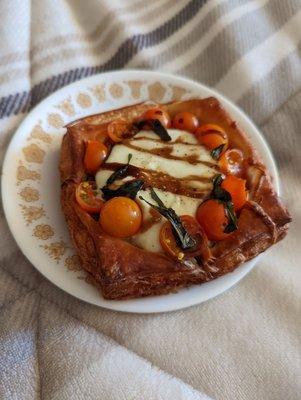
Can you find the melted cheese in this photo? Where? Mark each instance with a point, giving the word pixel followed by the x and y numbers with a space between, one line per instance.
pixel 186 145
pixel 176 135
pixel 177 149
pixel 175 168
pixel 182 205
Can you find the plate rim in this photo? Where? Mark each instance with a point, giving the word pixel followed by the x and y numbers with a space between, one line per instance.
pixel 158 75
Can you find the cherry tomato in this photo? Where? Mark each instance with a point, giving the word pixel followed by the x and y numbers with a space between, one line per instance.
pixel 169 243
pixel 211 136
pixel 156 113
pixel 86 197
pixel 119 130
pixel 96 152
pixel 231 162
pixel 211 215
pixel 185 120
pixel 237 188
pixel 120 217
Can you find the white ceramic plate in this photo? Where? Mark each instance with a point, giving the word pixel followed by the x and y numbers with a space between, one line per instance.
pixel 31 185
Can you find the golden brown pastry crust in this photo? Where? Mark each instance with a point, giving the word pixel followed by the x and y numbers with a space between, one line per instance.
pixel 122 270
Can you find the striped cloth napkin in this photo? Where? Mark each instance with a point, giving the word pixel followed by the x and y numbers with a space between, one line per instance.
pixel 245 344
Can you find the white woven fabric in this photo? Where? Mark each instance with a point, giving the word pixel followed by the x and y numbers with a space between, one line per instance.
pixel 245 344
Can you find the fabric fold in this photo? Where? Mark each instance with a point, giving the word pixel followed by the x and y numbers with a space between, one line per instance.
pixel 245 344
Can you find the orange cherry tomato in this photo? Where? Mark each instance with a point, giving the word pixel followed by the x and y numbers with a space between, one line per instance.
pixel 237 188
pixel 185 120
pixel 211 215
pixel 120 217
pixel 231 162
pixel 156 113
pixel 119 130
pixel 86 197
pixel 211 136
pixel 169 243
pixel 96 152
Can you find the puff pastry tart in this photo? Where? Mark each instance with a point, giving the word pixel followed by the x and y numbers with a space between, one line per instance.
pixel 163 196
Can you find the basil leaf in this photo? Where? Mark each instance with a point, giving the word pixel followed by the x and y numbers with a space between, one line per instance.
pixel 157 127
pixel 232 225
pixel 215 153
pixel 157 198
pixel 224 197
pixel 128 189
pixel 119 173
pixel 218 192
pixel 183 238
pixel 160 130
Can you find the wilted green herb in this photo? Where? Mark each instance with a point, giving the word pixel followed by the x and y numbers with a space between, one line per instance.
pixel 157 127
pixel 184 239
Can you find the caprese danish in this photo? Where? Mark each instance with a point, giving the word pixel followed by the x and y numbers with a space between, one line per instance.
pixel 158 197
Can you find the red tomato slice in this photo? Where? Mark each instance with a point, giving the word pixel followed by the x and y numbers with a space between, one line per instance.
pixel 86 197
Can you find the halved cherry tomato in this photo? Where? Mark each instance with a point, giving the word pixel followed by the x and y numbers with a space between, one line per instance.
pixel 185 120
pixel 237 188
pixel 120 217
pixel 119 130
pixel 86 197
pixel 231 162
pixel 156 113
pixel 211 215
pixel 211 136
pixel 169 243
pixel 96 152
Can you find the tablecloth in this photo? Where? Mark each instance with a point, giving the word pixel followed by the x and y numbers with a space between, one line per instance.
pixel 244 344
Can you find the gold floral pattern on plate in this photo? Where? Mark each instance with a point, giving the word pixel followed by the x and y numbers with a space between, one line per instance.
pixel 178 92
pixel 116 90
pixel 89 279
pixel 73 263
pixel 135 87
pixel 39 133
pixel 84 100
pixel 29 194
pixel 33 154
pixel 55 120
pixel 43 231
pixel 156 91
pixel 24 174
pixel 32 213
pixel 66 107
pixel 55 250
pixel 99 92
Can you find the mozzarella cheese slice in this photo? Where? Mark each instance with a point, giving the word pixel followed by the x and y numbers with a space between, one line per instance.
pixel 197 174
